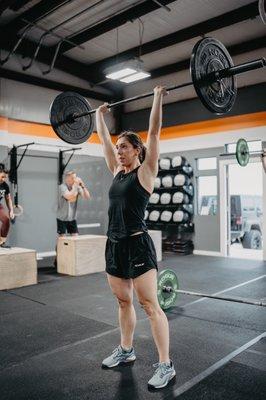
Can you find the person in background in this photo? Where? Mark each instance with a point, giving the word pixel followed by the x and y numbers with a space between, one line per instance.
pixel 69 192
pixel 4 217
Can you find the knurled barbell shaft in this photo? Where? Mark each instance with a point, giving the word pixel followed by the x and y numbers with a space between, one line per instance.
pixel 208 79
pixel 214 296
pixel 138 97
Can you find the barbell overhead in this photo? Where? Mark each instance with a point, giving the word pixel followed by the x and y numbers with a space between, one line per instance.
pixel 242 153
pixel 213 77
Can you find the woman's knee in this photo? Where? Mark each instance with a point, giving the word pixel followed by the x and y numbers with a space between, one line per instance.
pixel 152 309
pixel 124 301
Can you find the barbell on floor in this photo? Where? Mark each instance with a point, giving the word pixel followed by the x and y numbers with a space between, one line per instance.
pixel 213 77
pixel 242 153
pixel 168 290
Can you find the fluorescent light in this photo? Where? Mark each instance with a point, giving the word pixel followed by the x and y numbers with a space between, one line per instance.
pixel 135 77
pixel 121 73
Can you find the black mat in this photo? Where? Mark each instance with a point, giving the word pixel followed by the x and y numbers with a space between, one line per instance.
pixel 42 328
pixel 254 290
pixel 213 274
pixel 54 351
pixel 74 372
pixel 233 382
pixel 225 313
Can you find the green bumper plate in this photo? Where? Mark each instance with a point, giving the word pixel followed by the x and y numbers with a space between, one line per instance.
pixel 167 278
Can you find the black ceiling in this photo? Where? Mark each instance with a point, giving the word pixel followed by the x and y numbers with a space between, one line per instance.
pixel 93 73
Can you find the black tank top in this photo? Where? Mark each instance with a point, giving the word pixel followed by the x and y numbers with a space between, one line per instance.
pixel 127 204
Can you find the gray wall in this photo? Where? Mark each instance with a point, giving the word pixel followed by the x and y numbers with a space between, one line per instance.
pixel 249 100
pixel 37 178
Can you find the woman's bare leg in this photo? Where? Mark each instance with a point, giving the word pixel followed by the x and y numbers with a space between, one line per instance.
pixel 123 290
pixel 146 289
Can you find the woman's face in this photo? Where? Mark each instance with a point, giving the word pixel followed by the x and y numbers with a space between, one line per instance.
pixel 2 177
pixel 125 152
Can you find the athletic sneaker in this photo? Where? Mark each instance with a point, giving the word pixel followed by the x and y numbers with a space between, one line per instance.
pixel 162 376
pixel 5 246
pixel 119 356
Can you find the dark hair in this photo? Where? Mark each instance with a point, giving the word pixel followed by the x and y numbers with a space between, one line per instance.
pixel 3 169
pixel 136 142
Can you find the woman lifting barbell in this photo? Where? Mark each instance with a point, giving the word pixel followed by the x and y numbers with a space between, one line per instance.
pixel 130 254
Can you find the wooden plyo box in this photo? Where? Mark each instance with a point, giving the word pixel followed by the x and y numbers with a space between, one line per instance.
pixel 81 255
pixel 18 267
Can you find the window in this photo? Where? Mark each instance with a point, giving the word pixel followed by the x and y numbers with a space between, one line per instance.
pixel 253 145
pixel 207 195
pixel 207 163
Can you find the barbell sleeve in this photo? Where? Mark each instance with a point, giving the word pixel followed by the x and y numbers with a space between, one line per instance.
pixel 231 71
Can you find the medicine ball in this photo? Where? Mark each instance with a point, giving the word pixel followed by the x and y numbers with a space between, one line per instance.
pixel 166 216
pixel 154 216
pixel 165 198
pixel 154 198
pixel 179 198
pixel 167 181
pixel 180 180
pixel 157 182
pixel 178 161
pixel 180 216
pixel 165 163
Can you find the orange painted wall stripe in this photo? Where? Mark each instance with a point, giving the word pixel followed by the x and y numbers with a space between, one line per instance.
pixel 174 132
pixel 212 126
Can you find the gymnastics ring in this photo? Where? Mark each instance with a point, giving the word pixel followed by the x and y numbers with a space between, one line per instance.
pixel 18 210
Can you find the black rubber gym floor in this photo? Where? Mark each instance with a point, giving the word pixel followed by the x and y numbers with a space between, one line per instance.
pixel 54 336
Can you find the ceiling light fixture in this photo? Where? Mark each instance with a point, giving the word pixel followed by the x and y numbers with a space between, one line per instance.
pixel 135 77
pixel 127 71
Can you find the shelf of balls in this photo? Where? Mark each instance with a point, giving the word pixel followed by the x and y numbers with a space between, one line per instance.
pixel 189 189
pixel 188 171
pixel 180 227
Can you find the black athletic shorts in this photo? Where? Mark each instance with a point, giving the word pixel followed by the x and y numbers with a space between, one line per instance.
pixel 130 257
pixel 66 227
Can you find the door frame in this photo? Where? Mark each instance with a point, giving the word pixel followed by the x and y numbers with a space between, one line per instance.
pixel 224 204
